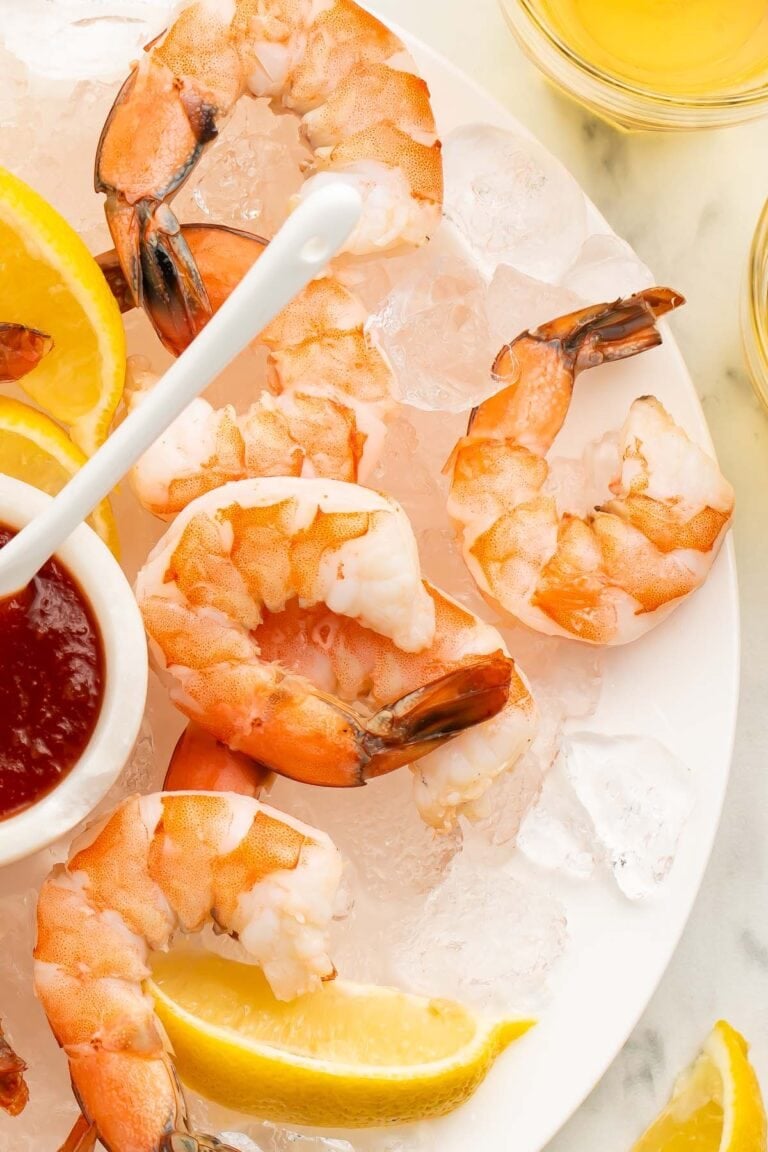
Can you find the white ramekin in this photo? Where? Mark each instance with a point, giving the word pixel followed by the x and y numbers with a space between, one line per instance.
pixel 109 594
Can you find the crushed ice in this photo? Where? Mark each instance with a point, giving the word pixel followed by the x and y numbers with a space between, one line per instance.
pixel 92 38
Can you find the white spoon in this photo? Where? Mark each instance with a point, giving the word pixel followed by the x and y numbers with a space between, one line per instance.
pixel 299 251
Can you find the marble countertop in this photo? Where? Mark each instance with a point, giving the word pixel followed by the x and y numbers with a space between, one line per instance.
pixel 688 204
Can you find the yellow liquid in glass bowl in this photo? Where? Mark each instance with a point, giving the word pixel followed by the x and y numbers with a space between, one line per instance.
pixel 696 47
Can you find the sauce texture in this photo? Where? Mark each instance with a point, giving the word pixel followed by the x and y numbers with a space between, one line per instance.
pixel 51 684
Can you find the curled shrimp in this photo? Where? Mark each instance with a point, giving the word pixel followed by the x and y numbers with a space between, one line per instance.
pixel 357 664
pixel 253 548
pixel 364 113
pixel 21 350
pixel 157 865
pixel 330 389
pixel 609 576
pixel 14 1093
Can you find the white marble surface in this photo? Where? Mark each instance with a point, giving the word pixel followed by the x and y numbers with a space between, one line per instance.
pixel 688 204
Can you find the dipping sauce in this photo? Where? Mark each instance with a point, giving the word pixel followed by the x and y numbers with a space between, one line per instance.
pixel 51 684
pixel 697 47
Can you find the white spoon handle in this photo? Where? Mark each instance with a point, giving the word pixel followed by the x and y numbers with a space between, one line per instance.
pixel 299 251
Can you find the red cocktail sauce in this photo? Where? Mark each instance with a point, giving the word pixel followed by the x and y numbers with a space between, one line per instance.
pixel 51 684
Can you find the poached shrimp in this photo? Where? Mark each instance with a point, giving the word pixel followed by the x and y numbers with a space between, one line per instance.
pixel 364 112
pixel 246 554
pixel 156 865
pixel 611 575
pixel 360 666
pixel 330 389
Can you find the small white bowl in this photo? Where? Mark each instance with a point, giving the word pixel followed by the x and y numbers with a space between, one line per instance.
pixel 109 594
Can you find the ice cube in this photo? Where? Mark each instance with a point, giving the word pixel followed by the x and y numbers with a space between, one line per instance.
pixel 557 833
pixel 514 202
pixel 638 796
pixel 434 328
pixel 79 39
pixel 605 269
pixel 249 174
pixel 488 935
pixel 517 303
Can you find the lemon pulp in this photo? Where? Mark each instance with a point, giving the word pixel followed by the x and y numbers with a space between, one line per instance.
pixel 50 281
pixel 34 449
pixel 716 1105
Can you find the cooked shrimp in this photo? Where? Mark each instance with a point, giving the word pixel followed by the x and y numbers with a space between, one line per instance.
pixel 254 547
pixel 613 574
pixel 14 1093
pixel 360 666
pixel 21 350
pixel 331 390
pixel 201 763
pixel 157 865
pixel 363 111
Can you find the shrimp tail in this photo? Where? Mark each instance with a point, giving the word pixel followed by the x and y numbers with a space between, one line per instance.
pixel 21 350
pixel 156 261
pixel 615 331
pixel 423 720
pixel 205 250
pixel 125 231
pixel 14 1093
pixel 109 264
pixel 82 1138
pixel 200 763
pixel 174 294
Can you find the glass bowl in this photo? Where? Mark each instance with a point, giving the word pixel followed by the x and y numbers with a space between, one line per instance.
pixel 626 105
pixel 754 312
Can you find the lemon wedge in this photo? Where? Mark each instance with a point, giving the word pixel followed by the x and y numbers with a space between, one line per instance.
pixel 716 1105
pixel 50 281
pixel 349 1055
pixel 34 449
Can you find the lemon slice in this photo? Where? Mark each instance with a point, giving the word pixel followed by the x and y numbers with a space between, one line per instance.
pixel 34 449
pixel 50 281
pixel 716 1105
pixel 349 1055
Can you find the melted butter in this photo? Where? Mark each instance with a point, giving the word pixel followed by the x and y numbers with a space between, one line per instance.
pixel 695 47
